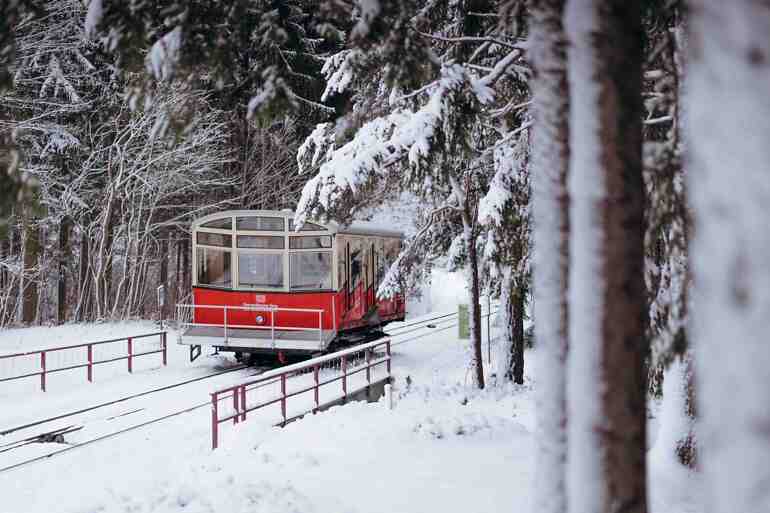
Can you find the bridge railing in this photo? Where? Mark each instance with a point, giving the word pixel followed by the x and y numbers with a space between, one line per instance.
pixel 46 367
pixel 310 385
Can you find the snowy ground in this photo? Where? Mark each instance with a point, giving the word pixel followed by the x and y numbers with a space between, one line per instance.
pixel 444 447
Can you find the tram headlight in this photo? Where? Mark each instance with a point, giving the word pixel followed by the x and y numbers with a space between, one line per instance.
pixel 260 319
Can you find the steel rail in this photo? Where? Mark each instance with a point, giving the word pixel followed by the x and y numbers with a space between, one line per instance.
pixel 170 415
pixel 117 401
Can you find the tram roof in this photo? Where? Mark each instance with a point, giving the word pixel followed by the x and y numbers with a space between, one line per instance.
pixel 355 228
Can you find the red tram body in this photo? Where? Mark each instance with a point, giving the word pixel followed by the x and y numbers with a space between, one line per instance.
pixel 260 286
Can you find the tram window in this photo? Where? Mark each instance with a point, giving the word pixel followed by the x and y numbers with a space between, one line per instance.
pixel 323 241
pixel 214 239
pixel 307 227
pixel 225 223
pixel 260 224
pixel 355 268
pixel 260 270
pixel 311 270
pixel 260 242
pixel 214 267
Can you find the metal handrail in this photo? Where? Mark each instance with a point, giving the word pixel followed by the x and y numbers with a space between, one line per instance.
pixel 89 365
pixel 238 392
pixel 273 309
pixel 249 308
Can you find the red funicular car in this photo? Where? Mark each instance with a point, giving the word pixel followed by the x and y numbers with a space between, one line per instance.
pixel 260 287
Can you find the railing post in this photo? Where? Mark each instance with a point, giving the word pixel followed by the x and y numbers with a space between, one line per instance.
pixel 283 398
pixel 368 366
pixel 90 363
pixel 243 402
pixel 344 375
pixel 130 356
pixel 236 418
pixel 163 348
pixel 214 421
pixel 42 373
pixel 387 351
pixel 315 378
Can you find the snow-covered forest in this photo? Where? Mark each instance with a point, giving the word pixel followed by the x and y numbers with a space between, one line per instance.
pixel 601 168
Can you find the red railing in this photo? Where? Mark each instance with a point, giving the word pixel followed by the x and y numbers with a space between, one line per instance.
pixel 342 366
pixel 89 355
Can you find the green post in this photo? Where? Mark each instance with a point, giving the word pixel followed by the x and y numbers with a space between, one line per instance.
pixel 463 324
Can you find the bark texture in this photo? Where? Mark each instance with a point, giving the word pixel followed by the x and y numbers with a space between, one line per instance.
pixel 550 204
pixel 606 402
pixel 63 257
pixel 517 358
pixel 475 313
pixel 728 124
pixel 31 252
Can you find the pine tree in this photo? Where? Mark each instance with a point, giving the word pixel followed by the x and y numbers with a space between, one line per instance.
pixel 551 157
pixel 606 393
pixel 425 131
pixel 728 124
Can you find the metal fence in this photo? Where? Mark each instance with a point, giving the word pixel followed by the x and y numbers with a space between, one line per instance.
pixel 235 317
pixel 356 369
pixel 45 367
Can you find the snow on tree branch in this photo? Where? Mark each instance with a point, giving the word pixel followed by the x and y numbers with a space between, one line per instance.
pixel 401 136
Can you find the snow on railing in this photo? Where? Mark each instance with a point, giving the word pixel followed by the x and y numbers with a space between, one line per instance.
pixel 315 375
pixel 45 367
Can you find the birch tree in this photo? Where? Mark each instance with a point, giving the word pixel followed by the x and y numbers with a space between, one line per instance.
pixel 550 162
pixel 607 319
pixel 728 124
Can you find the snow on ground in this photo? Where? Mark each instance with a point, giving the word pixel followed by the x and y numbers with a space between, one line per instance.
pixel 444 447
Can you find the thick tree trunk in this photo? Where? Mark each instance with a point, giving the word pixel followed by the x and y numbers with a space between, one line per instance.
pixel 606 394
pixel 31 252
pixel 550 206
pixel 475 313
pixel 84 276
pixel 64 256
pixel 728 123
pixel 517 356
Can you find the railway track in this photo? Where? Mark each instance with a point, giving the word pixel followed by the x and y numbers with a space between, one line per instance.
pixel 428 326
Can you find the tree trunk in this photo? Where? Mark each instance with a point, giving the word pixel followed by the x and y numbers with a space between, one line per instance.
pixel 606 394
pixel 517 356
pixel 728 123
pixel 163 278
pixel 177 273
pixel 31 251
pixel 550 208
pixel 505 355
pixel 64 256
pixel 84 277
pixel 186 267
pixel 5 252
pixel 475 313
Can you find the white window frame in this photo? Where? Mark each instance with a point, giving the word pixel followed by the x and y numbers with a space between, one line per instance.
pixel 234 251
